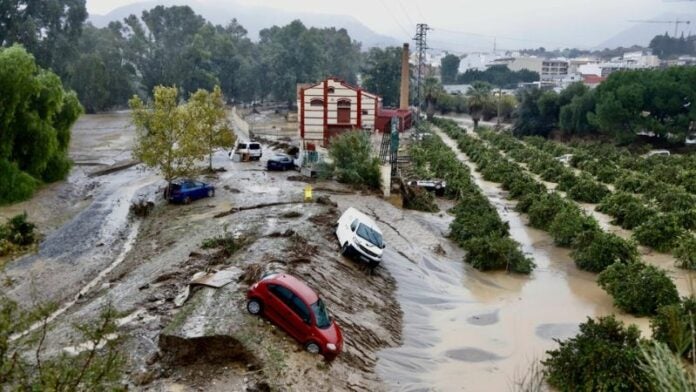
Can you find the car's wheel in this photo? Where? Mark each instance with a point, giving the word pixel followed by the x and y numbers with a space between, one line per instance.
pixel 187 200
pixel 345 248
pixel 254 306
pixel 211 192
pixel 312 348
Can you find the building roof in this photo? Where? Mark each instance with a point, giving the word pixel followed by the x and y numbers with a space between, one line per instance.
pixel 345 84
pixel 592 79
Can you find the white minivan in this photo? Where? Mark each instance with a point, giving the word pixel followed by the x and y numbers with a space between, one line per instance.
pixel 251 149
pixel 359 236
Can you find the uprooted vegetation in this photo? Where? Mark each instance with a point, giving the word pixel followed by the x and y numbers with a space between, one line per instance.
pixel 17 235
pixel 353 161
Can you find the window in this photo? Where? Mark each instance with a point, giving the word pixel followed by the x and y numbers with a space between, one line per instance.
pixel 316 102
pixel 291 300
pixel 354 225
pixel 368 234
pixel 282 293
pixel 344 103
pixel 365 112
pixel 300 308
pixel 320 313
pixel 331 90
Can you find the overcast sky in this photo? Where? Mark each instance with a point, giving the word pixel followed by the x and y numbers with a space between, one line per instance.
pixel 550 22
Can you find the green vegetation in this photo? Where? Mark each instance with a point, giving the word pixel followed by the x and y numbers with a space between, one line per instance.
pixel 36 114
pixel 98 367
pixel 16 234
pixel 659 232
pixel 449 68
pixel 569 224
pixel 665 370
pixel 353 160
pixel 596 250
pixel 685 252
pixel 499 76
pixel 604 356
pixel 638 288
pixel 674 326
pixel 382 74
pixel 171 137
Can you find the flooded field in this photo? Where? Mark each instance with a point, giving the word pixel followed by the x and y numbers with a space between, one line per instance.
pixel 425 321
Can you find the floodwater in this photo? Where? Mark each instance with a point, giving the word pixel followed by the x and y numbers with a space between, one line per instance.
pixel 466 330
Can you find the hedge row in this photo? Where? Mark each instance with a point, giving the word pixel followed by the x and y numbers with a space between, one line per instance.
pixel 592 249
pixel 477 227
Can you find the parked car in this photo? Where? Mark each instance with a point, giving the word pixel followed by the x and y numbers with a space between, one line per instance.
pixel 186 190
pixel 280 162
pixel 359 236
pixel 294 307
pixel 251 149
pixel 437 186
pixel 565 159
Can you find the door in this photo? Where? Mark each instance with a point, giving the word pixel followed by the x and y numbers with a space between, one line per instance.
pixel 343 111
pixel 278 311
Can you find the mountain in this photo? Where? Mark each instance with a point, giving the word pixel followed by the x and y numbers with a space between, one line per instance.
pixel 255 18
pixel 642 33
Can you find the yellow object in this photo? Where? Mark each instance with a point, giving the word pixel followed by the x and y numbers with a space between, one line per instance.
pixel 308 193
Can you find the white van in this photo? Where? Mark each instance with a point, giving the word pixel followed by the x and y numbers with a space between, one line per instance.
pixel 251 149
pixel 358 235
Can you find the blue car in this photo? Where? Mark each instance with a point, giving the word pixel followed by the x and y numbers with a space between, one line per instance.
pixel 185 191
pixel 280 162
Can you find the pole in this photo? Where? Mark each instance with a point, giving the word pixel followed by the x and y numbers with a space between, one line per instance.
pixel 421 47
pixel 500 97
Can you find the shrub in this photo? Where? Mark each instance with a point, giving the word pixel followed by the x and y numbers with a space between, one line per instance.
pixel 523 185
pixel 16 184
pixel 596 250
pixel 544 209
pixel 587 190
pixel 673 325
pixel 687 218
pixel 568 224
pixel 628 211
pixel 659 232
pixel 353 160
pixel 604 356
pixel 665 370
pixel 20 231
pixel 685 252
pixel 638 288
pixel 553 173
pixel 497 253
pixel 419 199
pixel 567 181
pixel 633 183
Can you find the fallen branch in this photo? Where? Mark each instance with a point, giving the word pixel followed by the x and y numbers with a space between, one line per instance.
pixel 255 207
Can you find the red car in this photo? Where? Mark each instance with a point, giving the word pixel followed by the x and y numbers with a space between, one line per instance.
pixel 293 306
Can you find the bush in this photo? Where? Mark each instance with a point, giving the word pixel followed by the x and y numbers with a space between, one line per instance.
pixel 16 234
pixel 544 209
pixel 497 253
pixel 659 232
pixel 634 183
pixel 567 181
pixel 419 199
pixel 673 324
pixel 628 211
pixel 568 224
pixel 16 184
pixel 638 288
pixel 353 160
pixel 596 250
pixel 685 252
pixel 587 190
pixel 604 356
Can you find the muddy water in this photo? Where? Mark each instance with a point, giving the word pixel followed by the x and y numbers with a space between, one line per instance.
pixel 473 331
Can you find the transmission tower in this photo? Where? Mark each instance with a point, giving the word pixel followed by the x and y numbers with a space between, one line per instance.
pixel 421 48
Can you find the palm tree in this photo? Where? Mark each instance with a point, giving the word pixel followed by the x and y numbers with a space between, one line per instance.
pixel 478 97
pixel 431 89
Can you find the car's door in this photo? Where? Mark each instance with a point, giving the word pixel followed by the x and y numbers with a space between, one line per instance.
pixel 200 189
pixel 301 319
pixel 279 309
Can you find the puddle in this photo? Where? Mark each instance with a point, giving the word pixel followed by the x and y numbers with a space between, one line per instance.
pixel 470 354
pixel 484 319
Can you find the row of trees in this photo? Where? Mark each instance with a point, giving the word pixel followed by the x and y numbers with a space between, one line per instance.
pixel 668 47
pixel 174 46
pixel 628 103
pixel 498 75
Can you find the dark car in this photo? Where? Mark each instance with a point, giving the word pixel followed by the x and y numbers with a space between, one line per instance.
pixel 280 162
pixel 294 307
pixel 185 191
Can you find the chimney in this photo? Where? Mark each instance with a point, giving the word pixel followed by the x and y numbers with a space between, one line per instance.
pixel 405 78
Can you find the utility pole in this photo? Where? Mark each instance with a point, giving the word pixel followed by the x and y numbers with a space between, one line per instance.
pixel 421 48
pixel 500 97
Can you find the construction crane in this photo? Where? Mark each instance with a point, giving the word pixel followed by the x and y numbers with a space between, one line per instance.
pixel 676 23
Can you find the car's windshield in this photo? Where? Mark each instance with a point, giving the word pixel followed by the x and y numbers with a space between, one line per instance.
pixel 254 146
pixel 367 233
pixel 241 146
pixel 321 315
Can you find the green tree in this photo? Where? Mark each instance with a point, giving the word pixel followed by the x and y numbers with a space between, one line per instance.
pixel 48 29
pixel 433 91
pixel 353 160
pixel 382 74
pixel 168 137
pixel 449 68
pixel 208 108
pixel 36 114
pixel 477 99
pixel 638 288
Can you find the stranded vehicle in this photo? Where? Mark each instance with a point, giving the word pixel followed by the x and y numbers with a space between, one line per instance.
pixel 186 190
pixel 252 150
pixel 294 307
pixel 359 235
pixel 280 162
pixel 437 186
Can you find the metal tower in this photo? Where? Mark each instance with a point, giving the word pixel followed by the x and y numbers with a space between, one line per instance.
pixel 421 48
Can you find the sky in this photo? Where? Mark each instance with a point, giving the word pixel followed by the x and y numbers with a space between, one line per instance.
pixel 549 23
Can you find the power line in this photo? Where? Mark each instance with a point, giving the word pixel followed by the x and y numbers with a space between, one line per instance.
pixel 420 13
pixel 394 18
pixel 410 22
